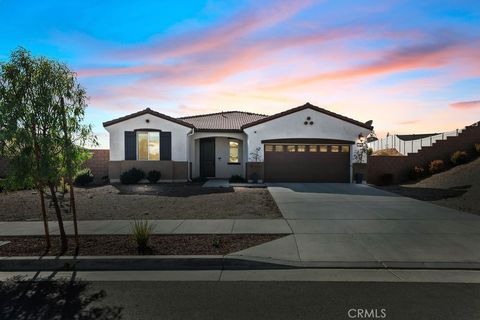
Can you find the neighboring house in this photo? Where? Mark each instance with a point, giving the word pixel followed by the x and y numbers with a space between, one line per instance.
pixel 306 143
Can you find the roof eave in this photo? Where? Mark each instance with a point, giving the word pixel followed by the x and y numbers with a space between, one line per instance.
pixel 307 106
pixel 147 111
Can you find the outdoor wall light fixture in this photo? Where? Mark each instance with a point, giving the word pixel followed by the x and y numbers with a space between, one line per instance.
pixel 147 120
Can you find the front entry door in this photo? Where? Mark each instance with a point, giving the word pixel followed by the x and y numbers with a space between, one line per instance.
pixel 207 157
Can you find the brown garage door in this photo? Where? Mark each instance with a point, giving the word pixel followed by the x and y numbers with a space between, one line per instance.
pixel 307 163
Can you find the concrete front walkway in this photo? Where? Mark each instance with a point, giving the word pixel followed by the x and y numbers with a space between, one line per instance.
pixel 349 224
pixel 220 226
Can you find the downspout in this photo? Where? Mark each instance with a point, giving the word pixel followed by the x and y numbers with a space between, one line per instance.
pixel 188 153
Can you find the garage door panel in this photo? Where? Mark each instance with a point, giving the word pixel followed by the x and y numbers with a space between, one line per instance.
pixel 307 166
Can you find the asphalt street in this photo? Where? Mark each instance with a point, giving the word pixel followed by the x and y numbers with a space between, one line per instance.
pixel 238 300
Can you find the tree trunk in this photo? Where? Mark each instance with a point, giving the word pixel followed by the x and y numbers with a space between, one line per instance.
pixel 68 166
pixel 44 216
pixel 63 236
pixel 74 214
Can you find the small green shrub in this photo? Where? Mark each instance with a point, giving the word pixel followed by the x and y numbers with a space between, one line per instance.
pixel 141 232
pixel 10 185
pixel 83 177
pixel 153 176
pixel 236 178
pixel 436 166
pixel 132 176
pixel 459 157
pixel 216 241
pixel 369 151
pixel 477 147
pixel 416 173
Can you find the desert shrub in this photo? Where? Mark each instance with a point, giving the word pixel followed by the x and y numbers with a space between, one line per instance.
pixel 153 176
pixel 83 177
pixel 141 232
pixel 369 151
pixel 236 178
pixel 11 185
pixel 477 147
pixel 216 242
pixel 416 173
pixel 386 179
pixel 436 166
pixel 199 179
pixel 132 176
pixel 459 157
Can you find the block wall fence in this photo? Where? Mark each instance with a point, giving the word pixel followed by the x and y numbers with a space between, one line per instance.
pixel 399 167
pixel 98 164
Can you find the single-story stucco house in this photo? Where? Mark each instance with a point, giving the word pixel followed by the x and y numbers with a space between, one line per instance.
pixel 306 144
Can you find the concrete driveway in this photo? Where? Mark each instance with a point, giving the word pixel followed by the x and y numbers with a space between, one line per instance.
pixel 350 224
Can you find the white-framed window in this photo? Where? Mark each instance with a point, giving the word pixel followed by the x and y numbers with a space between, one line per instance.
pixel 233 151
pixel 148 145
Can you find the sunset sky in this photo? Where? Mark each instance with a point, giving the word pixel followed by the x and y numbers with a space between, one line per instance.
pixel 410 66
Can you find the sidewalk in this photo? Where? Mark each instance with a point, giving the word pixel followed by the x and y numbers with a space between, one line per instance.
pixel 220 226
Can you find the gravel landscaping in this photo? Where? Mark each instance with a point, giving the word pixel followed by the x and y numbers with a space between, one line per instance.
pixel 111 245
pixel 160 201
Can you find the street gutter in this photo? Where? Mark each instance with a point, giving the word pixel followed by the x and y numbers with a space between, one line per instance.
pixel 212 262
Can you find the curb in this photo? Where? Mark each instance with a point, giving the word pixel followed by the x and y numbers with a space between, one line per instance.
pixel 123 263
pixel 120 263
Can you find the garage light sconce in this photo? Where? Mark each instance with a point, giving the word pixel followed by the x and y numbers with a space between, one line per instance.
pixel 361 138
pixel 147 120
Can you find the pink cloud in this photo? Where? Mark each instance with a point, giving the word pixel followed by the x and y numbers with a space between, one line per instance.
pixel 116 71
pixel 218 36
pixel 414 57
pixel 406 122
pixel 466 105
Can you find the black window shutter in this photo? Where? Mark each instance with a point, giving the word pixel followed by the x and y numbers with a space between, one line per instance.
pixel 130 145
pixel 165 145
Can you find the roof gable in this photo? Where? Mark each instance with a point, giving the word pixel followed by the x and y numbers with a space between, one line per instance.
pixel 147 111
pixel 309 106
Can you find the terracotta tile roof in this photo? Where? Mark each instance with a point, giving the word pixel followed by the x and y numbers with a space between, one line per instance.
pixel 229 121
pixel 222 121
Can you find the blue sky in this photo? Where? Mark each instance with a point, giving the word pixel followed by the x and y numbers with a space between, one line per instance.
pixel 411 66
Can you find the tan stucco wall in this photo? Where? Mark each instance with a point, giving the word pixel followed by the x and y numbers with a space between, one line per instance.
pixel 170 170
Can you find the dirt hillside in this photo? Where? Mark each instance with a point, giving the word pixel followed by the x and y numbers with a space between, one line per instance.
pixel 464 177
pixel 387 152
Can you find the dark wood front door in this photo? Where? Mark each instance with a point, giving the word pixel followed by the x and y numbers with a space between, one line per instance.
pixel 207 157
